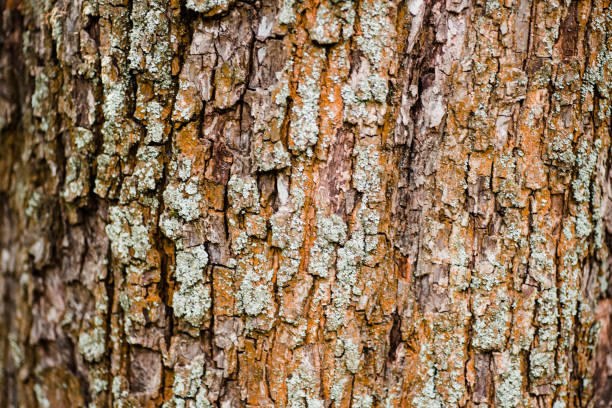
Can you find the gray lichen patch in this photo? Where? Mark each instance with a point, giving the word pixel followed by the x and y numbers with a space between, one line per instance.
pixel 184 198
pixel 334 21
pixel 376 30
pixel 189 387
pixel 321 258
pixel 148 171
pixel 287 228
pixel 243 194
pixel 547 318
pixel 365 97
pixel 491 326
pixel 115 96
pixel 304 128
pixel 192 301
pixel 541 363
pixel 326 29
pixel 255 293
pixel 149 43
pixel 156 126
pixel 92 344
pixel 76 183
pixel 289 266
pixel 366 175
pixel 331 230
pixel 190 265
pixel 271 156
pixel 585 163
pixel 286 13
pixel 209 7
pixel 428 396
pixel 352 355
pixel 303 385
pixel 128 233
pixel 508 391
pixel 349 258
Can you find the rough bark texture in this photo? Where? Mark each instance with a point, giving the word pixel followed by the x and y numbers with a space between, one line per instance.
pixel 305 203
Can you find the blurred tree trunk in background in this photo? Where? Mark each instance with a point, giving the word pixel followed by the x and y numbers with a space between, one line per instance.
pixel 305 203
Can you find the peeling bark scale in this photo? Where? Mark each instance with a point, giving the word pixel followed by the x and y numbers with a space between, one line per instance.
pixel 305 203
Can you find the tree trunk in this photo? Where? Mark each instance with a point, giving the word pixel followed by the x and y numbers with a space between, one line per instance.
pixel 305 203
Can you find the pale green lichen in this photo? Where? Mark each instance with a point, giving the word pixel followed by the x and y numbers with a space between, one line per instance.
pixel 119 390
pixel 302 386
pixel 547 318
pixel 461 258
pixel 349 257
pixel 192 301
pixel 362 401
pixel 428 397
pixel 243 194
pixel 92 344
pixel 375 30
pixel 541 363
pixel 274 158
pixel 189 388
pixel 184 198
pixel 149 47
pixel 188 379
pixel 98 385
pixel 490 329
pixel 541 260
pixel 585 162
pixel 254 299
pixel 76 179
pixel 366 177
pixel 595 75
pixel 337 390
pixel 356 98
pixel 149 168
pixel 304 128
pixel 33 204
pixel 488 275
pixel 155 125
pixel 352 355
pixel 283 91
pixel 326 28
pixel 508 392
pixel 559 404
pixel 190 265
pixel 369 219
pixel 40 95
pixel 83 140
pixel 287 229
pixel 255 293
pixel 286 14
pixel 127 233
pixel 239 244
pixel 330 230
pixel 170 226
pixel 183 168
pixel 114 99
pixel 333 22
pixel 41 397
pixel 289 266
pixel 582 224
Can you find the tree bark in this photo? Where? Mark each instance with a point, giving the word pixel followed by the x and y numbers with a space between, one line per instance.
pixel 305 203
